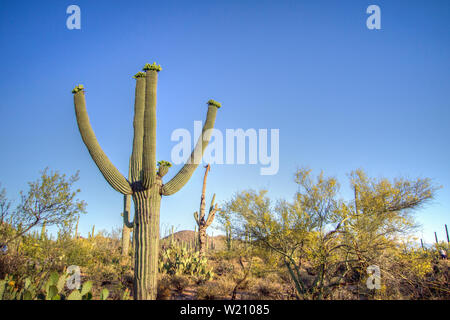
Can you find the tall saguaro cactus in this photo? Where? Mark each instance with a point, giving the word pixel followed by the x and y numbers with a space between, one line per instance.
pixel 200 218
pixel 146 185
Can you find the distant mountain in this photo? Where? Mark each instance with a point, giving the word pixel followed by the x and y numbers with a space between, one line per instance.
pixel 190 236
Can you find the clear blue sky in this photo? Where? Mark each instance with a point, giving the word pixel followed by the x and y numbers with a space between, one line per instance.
pixel 342 96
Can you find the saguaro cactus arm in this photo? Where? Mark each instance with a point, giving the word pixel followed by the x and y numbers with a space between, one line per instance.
pixel 127 205
pixel 138 125
pixel 126 219
pixel 196 217
pixel 108 170
pixel 211 217
pixel 163 168
pixel 212 212
pixel 185 173
pixel 211 207
pixel 149 152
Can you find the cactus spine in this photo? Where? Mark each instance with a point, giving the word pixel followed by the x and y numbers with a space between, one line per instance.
pixel 200 219
pixel 145 186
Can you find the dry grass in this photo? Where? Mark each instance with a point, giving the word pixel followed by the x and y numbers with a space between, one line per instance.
pixel 179 283
pixel 215 290
pixel 164 291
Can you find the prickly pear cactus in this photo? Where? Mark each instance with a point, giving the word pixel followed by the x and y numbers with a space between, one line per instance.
pixel 179 260
pixel 40 289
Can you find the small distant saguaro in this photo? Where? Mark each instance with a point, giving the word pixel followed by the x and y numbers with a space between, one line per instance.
pixel 200 218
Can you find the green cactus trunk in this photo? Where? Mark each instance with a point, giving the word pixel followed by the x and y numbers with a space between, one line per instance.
pixel 145 181
pixel 202 241
pixel 125 241
pixel 126 231
pixel 146 239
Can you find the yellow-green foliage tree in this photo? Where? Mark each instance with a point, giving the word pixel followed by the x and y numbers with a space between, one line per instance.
pixel 321 238
pixel 380 215
pixel 49 201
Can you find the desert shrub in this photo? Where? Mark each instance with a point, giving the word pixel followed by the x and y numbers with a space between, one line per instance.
pixel 12 264
pixel 224 267
pixel 98 257
pixel 179 283
pixel 77 252
pixel 268 289
pixel 215 290
pixel 415 274
pixel 164 291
